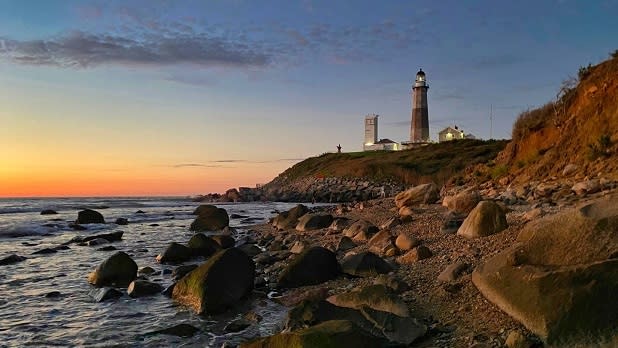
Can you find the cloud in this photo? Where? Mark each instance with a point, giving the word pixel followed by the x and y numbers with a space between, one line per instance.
pixel 190 165
pixel 83 50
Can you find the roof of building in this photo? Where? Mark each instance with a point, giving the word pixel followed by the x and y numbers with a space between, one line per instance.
pixel 386 141
pixel 420 72
pixel 451 129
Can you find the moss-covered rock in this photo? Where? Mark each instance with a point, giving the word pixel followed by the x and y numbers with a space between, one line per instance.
pixel 217 284
pixel 209 218
pixel 117 270
pixel 313 266
pixel 330 334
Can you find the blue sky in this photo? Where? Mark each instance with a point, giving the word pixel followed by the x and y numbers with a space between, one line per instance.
pixel 201 82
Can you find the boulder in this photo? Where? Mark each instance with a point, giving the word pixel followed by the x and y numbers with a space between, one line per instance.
pixel 117 270
pixel 452 271
pixel 97 241
pixel 217 284
pixel 110 237
pixel 175 253
pixel 180 330
pixel 391 282
pixel 313 266
pixel 11 259
pixel 570 169
pixel 48 212
pixel 452 222
pixel 289 219
pixel 299 247
pixel 202 245
pixel 340 223
pixel 141 288
pixel 104 294
pixel 345 244
pixel 380 241
pixel 390 223
pixel 421 194
pixel 146 270
pixel 329 334
pixel 421 252
pixel 225 241
pixel 377 297
pixel 462 202
pixel 309 222
pixel 89 216
pixel 121 221
pixel 586 187
pixel 182 271
pixel 360 226
pixel 406 242
pixel 560 278
pixel 485 219
pixel 398 330
pixel 209 218
pixel 250 249
pixel 364 264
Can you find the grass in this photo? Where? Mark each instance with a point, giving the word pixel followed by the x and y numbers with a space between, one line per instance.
pixel 434 162
pixel 532 120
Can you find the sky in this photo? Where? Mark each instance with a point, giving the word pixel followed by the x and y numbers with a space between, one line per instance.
pixel 154 97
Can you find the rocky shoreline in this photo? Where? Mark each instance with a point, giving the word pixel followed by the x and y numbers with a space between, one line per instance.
pixel 470 266
pixel 309 189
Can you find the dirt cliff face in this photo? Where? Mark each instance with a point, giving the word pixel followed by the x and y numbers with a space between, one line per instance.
pixel 580 127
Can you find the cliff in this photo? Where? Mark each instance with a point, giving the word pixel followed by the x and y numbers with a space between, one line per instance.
pixel 579 128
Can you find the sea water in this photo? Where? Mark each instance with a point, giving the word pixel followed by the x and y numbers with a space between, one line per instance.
pixel 29 318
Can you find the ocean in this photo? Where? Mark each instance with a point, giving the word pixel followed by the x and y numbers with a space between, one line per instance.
pixel 29 318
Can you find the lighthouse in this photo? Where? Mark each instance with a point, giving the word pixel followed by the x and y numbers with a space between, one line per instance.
pixel 419 129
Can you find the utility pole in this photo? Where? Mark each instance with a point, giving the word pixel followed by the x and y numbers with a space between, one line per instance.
pixel 491 121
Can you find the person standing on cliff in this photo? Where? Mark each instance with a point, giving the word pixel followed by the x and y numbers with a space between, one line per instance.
pixel 339 148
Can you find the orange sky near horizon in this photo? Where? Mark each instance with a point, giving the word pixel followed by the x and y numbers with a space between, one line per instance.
pixel 63 182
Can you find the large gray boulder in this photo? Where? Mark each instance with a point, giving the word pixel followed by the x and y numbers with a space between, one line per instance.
pixel 313 266
pixel 117 270
pixel 421 194
pixel 217 284
pixel 309 222
pixel 560 279
pixel 209 218
pixel 289 219
pixel 89 216
pixel 485 219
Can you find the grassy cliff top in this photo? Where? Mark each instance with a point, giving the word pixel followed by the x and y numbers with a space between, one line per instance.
pixel 434 162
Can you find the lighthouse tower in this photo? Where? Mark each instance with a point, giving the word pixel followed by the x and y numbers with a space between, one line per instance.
pixel 419 130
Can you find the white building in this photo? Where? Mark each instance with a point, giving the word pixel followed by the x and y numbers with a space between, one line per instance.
pixel 453 133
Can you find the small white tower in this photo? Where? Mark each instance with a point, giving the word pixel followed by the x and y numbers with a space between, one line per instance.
pixel 371 131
